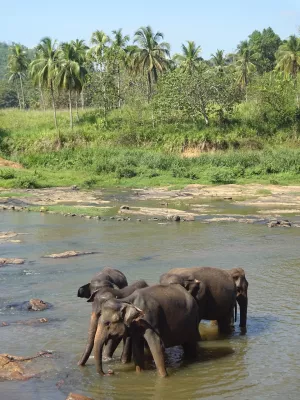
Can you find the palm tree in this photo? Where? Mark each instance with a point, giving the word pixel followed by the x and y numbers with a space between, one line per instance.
pixel 118 49
pixel 43 68
pixel 218 60
pixel 288 59
pixel 150 56
pixel 245 65
pixel 17 67
pixel 190 58
pixel 70 74
pixel 80 49
pixel 100 41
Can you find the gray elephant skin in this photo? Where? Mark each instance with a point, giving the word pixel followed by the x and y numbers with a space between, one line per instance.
pixel 222 289
pixel 160 315
pixel 107 291
pixel 111 275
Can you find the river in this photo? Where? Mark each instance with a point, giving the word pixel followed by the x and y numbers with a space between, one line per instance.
pixel 263 364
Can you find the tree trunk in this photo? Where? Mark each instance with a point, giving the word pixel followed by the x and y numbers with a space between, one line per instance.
pixel 82 99
pixel 70 107
pixel 119 88
pixel 149 86
pixel 76 105
pixel 53 104
pixel 42 98
pixel 22 91
pixel 19 98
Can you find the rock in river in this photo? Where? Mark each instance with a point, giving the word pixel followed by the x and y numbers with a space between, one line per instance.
pixel 75 396
pixel 7 261
pixel 31 305
pixel 23 368
pixel 67 254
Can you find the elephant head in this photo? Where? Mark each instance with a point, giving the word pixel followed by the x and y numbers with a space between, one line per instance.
pixel 195 287
pixel 116 317
pixel 241 283
pixel 86 291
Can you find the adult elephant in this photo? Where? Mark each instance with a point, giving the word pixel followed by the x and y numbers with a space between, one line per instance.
pixel 111 275
pixel 98 297
pixel 162 315
pixel 219 298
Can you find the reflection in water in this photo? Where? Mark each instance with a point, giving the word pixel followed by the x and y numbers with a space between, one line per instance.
pixel 262 364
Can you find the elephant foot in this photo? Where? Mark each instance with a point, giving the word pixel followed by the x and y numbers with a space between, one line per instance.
pixel 106 358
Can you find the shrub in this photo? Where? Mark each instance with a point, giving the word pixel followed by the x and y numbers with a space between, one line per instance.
pixel 7 173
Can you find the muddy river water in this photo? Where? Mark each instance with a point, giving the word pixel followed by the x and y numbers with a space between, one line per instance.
pixel 263 364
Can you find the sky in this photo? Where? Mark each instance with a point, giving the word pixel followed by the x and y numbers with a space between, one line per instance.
pixel 213 24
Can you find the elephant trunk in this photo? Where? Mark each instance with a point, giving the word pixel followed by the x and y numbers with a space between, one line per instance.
pixel 243 303
pixel 91 337
pixel 100 340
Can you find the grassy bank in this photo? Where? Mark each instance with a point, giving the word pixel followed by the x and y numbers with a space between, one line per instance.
pixel 100 153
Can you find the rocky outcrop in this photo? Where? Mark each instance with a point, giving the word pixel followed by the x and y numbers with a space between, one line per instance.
pixel 76 396
pixel 29 322
pixel 31 305
pixel 280 223
pixel 69 253
pixel 23 368
pixel 166 213
pixel 7 261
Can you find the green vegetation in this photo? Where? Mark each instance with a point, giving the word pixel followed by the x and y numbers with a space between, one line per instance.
pixel 143 112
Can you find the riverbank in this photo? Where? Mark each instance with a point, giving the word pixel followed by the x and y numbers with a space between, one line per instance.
pixel 223 203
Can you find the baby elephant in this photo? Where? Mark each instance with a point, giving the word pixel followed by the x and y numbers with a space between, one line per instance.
pixel 98 298
pixel 162 315
pixel 111 275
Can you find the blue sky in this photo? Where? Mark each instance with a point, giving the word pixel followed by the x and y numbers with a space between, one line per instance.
pixel 211 23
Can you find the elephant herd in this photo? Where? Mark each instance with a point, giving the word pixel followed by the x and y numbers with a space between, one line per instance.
pixel 160 316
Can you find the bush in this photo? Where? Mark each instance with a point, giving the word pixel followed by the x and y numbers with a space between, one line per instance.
pixel 125 172
pixel 26 182
pixel 7 173
pixel 222 175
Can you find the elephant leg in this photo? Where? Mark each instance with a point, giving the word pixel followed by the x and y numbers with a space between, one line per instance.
pixel 138 352
pixel 190 350
pixel 225 324
pixel 110 348
pixel 127 350
pixel 155 346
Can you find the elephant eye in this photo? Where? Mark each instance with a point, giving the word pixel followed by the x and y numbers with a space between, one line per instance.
pixel 107 323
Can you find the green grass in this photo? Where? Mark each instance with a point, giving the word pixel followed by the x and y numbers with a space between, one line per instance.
pixel 15 194
pixel 125 153
pixel 263 192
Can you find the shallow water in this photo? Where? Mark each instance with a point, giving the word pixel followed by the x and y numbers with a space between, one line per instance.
pixel 263 364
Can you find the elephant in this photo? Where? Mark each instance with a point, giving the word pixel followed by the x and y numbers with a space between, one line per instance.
pixel 241 283
pixel 217 299
pixel 160 315
pixel 111 275
pixel 98 298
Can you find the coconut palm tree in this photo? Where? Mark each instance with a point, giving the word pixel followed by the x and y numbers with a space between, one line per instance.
pixel 70 74
pixel 288 59
pixel 118 49
pixel 218 60
pixel 17 67
pixel 151 56
pixel 80 49
pixel 43 68
pixel 100 42
pixel 245 65
pixel 190 58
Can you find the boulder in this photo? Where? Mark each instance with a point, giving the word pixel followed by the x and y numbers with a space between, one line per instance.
pixel 7 261
pixel 69 253
pixel 76 396
pixel 31 305
pixel 30 322
pixel 22 368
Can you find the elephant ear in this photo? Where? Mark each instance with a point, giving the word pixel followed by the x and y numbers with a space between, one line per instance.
pixel 131 313
pixel 92 296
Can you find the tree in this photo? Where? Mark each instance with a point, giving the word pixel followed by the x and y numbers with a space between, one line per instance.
pixel 17 67
pixel 118 53
pixel 70 74
pixel 245 65
pixel 43 68
pixel 264 45
pixel 80 49
pixel 100 41
pixel 150 57
pixel 190 58
pixel 288 60
pixel 218 60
